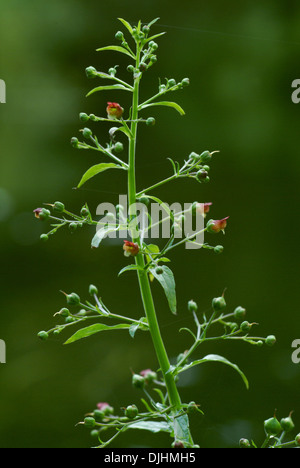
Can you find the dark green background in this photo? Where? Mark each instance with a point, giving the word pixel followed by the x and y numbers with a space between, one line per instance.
pixel 241 59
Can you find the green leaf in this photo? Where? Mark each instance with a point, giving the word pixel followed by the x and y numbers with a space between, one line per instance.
pixel 117 49
pixel 101 234
pixel 174 105
pixel 152 426
pixel 166 279
pixel 127 25
pixel 155 37
pixel 181 428
pixel 107 88
pixel 131 268
pixel 133 329
pixel 92 329
pixel 216 358
pixel 153 22
pixel 95 170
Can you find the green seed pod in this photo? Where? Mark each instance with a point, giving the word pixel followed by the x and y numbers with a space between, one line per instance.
pixel 287 424
pixel 89 422
pixel 131 411
pixel 202 175
pixel 43 335
pixel 159 270
pixel 192 306
pixel 93 290
pixel 145 29
pixel 218 249
pixel 244 443
pixel 84 211
pixel 69 319
pixel 98 415
pixel 239 313
pixel 194 156
pixel 73 299
pixel 178 444
pixel 74 142
pixel 119 36
pixel 87 133
pixel 118 147
pixel 44 237
pixel 218 303
pixel 153 45
pixel 92 117
pixel 270 340
pixel 205 157
pixel 143 67
pixel 84 117
pixel 150 121
pixel 58 206
pixel 138 381
pixel 272 426
pixel 131 68
pixel 245 327
pixel 64 312
pixel 112 71
pixel 91 72
pixel 95 434
pixel 144 200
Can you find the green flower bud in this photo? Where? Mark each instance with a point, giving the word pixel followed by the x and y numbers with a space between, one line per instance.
pixel 145 200
pixel 145 29
pixel 218 249
pixel 245 327
pixel 150 121
pixel 58 206
pixel 73 227
pixel 192 306
pixel 43 335
pixel 73 299
pixel 93 290
pixel 74 142
pixel 84 211
pixel 98 415
pixel 112 71
pixel 270 340
pixel 92 117
pixel 119 36
pixel 91 72
pixel 89 422
pixel 87 133
pixel 205 157
pixel 202 175
pixel 131 68
pixel 83 117
pixel 272 426
pixel 239 313
pixel 287 424
pixel 44 237
pixel 218 303
pixel 42 214
pixel 131 411
pixel 138 381
pixel 64 312
pixel 171 83
pixel 297 439
pixel 244 443
pixel 118 147
pixel 153 45
pixel 95 434
pixel 185 82
pixel 143 67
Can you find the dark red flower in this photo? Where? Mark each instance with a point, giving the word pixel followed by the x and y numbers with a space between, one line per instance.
pixel 130 248
pixel 114 110
pixel 217 225
pixel 203 208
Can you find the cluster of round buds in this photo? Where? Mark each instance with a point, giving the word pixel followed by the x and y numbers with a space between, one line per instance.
pixel 131 249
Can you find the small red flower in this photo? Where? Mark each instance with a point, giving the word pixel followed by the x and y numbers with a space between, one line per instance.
pixel 114 110
pixel 130 249
pixel 101 406
pixel 203 208
pixel 37 212
pixel 217 225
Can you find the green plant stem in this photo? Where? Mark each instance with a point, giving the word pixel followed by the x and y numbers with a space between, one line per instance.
pixel 144 284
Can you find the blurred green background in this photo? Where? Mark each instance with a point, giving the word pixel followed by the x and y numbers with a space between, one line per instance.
pixel 241 59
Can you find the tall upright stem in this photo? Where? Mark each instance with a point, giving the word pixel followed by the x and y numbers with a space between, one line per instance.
pixel 144 284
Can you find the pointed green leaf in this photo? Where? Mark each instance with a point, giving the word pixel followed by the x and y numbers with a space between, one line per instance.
pixel 101 234
pixel 153 22
pixel 216 358
pixel 152 426
pixel 95 170
pixel 174 105
pixel 126 24
pixel 166 279
pixel 96 328
pixel 117 49
pixel 107 88
pixel 132 267
pixel 133 329
pixel 155 37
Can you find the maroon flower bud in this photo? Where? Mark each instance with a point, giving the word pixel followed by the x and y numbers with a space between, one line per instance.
pixel 217 225
pixel 203 208
pixel 37 212
pixel 41 213
pixel 149 375
pixel 114 110
pixel 130 249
